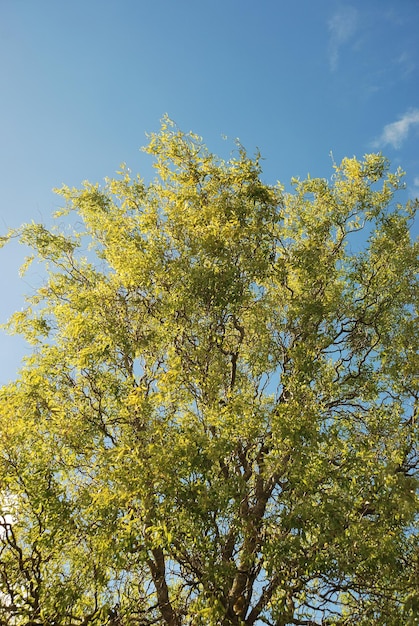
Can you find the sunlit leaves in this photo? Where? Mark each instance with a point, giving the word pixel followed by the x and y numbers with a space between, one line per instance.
pixel 218 423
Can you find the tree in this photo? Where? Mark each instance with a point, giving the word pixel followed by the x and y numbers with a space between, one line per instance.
pixel 217 424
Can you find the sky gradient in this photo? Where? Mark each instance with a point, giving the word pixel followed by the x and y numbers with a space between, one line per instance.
pixel 83 81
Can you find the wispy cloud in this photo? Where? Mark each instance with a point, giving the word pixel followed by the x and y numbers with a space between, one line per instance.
pixel 395 133
pixel 405 64
pixel 342 25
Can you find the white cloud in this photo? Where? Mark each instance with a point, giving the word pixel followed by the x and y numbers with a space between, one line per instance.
pixel 414 189
pixel 342 25
pixel 396 132
pixel 8 505
pixel 406 64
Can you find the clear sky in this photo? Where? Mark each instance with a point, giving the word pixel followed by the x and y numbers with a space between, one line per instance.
pixel 82 81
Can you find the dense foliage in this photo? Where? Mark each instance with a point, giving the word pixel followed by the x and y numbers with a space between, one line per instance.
pixel 217 424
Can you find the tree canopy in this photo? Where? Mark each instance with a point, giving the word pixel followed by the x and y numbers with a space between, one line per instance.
pixel 217 423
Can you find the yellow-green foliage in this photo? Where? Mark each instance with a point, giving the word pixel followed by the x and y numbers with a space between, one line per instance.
pixel 218 422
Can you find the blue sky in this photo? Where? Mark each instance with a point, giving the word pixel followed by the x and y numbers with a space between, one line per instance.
pixel 83 81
